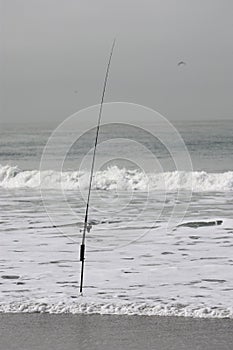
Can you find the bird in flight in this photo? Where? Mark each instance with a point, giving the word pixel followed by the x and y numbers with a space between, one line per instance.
pixel 181 64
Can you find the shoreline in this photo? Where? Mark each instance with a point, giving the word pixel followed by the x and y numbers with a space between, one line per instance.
pixel 86 307
pixel 115 332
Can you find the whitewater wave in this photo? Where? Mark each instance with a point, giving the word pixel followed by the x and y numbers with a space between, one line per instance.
pixel 141 309
pixel 115 178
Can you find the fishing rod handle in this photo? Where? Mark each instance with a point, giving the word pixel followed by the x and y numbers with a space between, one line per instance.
pixel 82 252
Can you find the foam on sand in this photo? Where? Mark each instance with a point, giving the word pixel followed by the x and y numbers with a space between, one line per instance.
pixel 141 309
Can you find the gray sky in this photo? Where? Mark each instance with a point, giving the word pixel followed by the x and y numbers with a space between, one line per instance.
pixel 54 54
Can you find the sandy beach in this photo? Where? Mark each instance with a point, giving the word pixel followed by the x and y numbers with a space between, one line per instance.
pixel 77 332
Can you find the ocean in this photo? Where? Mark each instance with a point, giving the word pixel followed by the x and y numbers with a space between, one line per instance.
pixel 161 236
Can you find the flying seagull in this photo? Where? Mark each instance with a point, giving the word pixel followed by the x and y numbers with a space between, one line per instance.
pixel 181 64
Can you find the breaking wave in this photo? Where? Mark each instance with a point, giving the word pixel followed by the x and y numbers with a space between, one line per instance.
pixel 115 178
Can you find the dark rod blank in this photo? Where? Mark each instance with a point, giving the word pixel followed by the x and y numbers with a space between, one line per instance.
pixel 82 247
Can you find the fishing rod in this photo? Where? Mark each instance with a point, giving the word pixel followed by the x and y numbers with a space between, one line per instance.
pixel 82 246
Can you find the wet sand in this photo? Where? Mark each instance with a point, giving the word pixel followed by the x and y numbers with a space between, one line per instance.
pixel 93 332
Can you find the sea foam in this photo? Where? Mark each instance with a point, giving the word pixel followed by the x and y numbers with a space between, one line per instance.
pixel 141 309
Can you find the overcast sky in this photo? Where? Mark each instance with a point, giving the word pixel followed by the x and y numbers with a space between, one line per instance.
pixel 54 55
